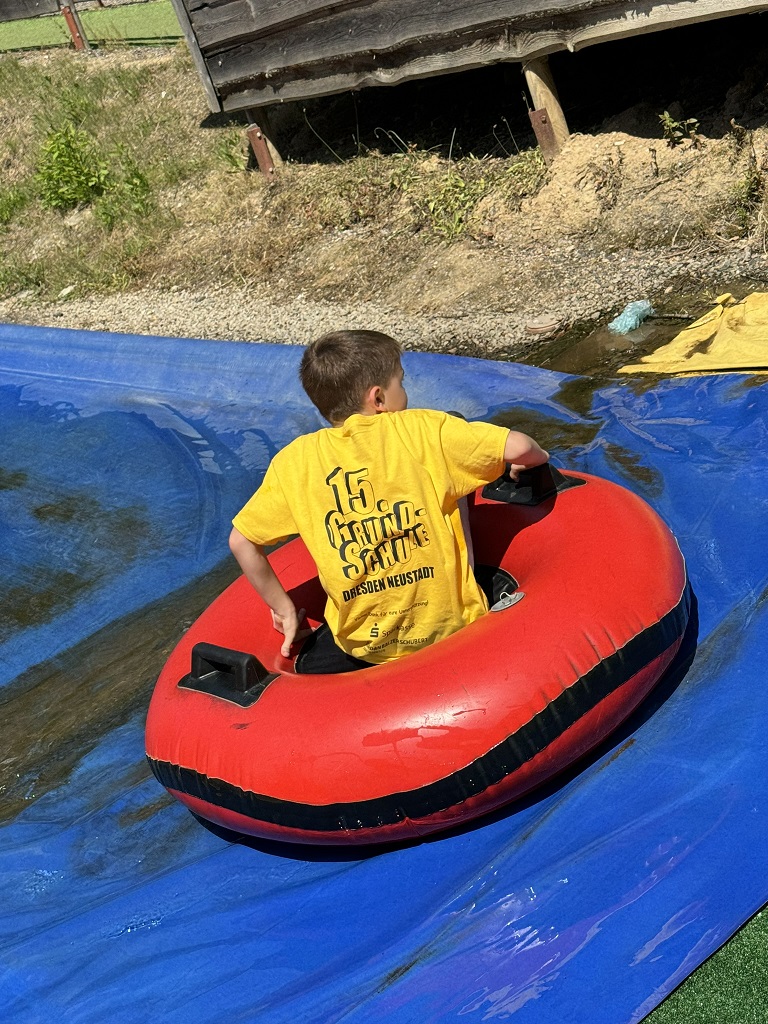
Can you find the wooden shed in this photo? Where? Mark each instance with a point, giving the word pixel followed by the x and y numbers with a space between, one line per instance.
pixel 252 53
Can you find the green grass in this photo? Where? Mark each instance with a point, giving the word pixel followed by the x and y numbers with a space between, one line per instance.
pixel 89 150
pixel 729 988
pixel 153 22
pixel 114 178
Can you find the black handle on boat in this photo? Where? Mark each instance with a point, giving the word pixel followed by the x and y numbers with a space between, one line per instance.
pixel 235 676
pixel 544 480
pixel 531 487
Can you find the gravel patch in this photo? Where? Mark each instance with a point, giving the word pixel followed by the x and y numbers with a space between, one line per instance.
pixel 569 284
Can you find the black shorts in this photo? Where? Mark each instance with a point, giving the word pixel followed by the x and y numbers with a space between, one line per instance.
pixel 320 653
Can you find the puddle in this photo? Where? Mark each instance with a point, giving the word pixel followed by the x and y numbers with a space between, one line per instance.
pixel 56 712
pixel 601 353
pixel 597 352
pixel 551 432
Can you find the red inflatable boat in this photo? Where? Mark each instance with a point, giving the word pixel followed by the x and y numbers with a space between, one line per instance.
pixel 448 733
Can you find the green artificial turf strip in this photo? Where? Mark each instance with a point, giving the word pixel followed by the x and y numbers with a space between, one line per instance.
pixel 137 23
pixel 729 988
pixel 147 22
pixel 32 33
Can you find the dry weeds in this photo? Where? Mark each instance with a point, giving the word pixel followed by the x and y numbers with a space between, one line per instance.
pixel 406 228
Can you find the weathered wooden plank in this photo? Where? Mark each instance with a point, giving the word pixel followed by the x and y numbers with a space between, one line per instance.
pixel 519 42
pixel 643 16
pixel 220 22
pixel 197 58
pixel 387 26
pixel 267 89
pixel 216 24
pixel 15 10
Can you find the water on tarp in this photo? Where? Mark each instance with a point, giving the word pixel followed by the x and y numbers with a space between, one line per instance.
pixel 57 711
pixel 106 505
pixel 589 901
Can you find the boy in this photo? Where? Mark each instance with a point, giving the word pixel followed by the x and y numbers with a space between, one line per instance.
pixel 375 498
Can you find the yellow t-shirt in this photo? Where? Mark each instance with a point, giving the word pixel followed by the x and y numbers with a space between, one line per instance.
pixel 375 502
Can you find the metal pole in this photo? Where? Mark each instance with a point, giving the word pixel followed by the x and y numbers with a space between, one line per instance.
pixel 75 26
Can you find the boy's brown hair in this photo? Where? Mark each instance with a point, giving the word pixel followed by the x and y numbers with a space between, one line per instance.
pixel 338 369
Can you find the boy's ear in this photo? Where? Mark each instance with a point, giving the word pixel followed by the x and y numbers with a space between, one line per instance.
pixel 374 400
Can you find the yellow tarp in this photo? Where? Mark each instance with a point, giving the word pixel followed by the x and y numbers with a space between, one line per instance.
pixel 732 336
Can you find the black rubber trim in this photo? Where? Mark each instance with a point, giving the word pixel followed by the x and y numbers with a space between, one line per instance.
pixel 489 769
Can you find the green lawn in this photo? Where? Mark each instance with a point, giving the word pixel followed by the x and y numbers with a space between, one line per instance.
pixel 729 988
pixel 137 23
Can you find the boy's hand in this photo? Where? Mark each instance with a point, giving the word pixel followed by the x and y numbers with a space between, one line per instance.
pixel 261 576
pixel 288 624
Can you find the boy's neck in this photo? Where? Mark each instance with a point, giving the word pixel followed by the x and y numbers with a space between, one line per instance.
pixel 360 412
pixel 370 407
pixel 388 398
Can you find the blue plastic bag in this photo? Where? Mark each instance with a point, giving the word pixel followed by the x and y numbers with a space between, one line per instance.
pixel 631 317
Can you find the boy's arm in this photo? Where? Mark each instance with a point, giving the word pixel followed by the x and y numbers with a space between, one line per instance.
pixel 522 452
pixel 262 578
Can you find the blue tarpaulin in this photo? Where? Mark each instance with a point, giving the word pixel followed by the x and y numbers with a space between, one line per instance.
pixel 123 460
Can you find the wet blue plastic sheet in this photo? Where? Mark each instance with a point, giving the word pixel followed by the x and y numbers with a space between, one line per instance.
pixel 123 460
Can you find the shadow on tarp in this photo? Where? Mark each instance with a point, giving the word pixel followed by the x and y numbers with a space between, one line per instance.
pixel 124 459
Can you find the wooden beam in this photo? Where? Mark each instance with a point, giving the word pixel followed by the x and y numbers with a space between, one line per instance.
pixel 541 86
pixel 197 58
pixel 258 85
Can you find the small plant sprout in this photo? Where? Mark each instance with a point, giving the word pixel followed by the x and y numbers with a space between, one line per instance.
pixel 232 150
pixel 676 132
pixel 70 173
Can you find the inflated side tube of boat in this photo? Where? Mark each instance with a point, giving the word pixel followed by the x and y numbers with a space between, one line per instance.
pixel 450 732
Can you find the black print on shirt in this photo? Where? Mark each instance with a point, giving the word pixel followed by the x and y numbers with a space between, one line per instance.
pixel 371 536
pixel 398 579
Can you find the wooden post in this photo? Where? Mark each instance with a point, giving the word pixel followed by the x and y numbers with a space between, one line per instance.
pixel 543 92
pixel 197 58
pixel 260 137
pixel 75 26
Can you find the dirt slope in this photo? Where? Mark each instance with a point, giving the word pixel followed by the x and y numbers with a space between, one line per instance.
pixel 620 215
